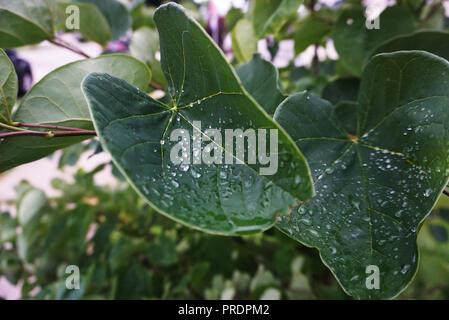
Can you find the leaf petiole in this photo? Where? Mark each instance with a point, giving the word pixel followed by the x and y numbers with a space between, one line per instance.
pixel 49 134
pixel 46 126
pixel 61 43
pixel 9 127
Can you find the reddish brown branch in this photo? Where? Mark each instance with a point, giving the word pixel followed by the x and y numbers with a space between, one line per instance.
pixel 48 134
pixel 155 86
pixel 446 192
pixel 47 126
pixel 63 44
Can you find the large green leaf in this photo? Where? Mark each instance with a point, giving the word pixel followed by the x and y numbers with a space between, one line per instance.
pixel 8 87
pixel 354 42
pixel 57 99
pixel 269 16
pixel 220 198
pixel 93 25
pixel 25 22
pixel 436 42
pixel 374 189
pixel 261 79
pixel 118 17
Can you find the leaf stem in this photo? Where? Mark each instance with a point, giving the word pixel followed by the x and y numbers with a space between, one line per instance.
pixel 49 134
pixel 47 126
pixel 155 86
pixel 12 128
pixel 61 43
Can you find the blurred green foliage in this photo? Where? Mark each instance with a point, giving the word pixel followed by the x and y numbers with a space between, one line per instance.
pixel 125 250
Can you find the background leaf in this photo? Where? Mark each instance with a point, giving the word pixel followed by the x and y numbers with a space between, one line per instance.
pixel 25 22
pixel 311 30
pixel 244 41
pixel 261 79
pixel 93 25
pixel 269 16
pixel 144 46
pixel 436 42
pixel 8 87
pixel 57 99
pixel 354 42
pixel 116 15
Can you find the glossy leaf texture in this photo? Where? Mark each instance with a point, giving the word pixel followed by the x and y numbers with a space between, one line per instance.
pixel 116 15
pixel 354 41
pixel 141 135
pixel 374 189
pixel 57 100
pixel 261 79
pixel 269 16
pixel 436 42
pixel 8 87
pixel 93 25
pixel 25 22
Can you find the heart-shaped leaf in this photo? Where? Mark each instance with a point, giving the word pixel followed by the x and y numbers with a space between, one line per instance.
pixel 8 87
pixel 436 42
pixel 373 189
pixel 354 41
pixel 25 22
pixel 57 100
pixel 141 134
pixel 261 79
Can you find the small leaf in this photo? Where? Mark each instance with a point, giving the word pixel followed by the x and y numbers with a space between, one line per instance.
pixel 269 16
pixel 354 42
pixel 261 79
pixel 244 41
pixel 310 30
pixel 144 46
pixel 142 16
pixel 30 206
pixel 232 17
pixel 229 199
pixel 8 227
pixel 8 87
pixel 57 99
pixel 25 22
pixel 116 14
pixel 93 25
pixel 374 188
